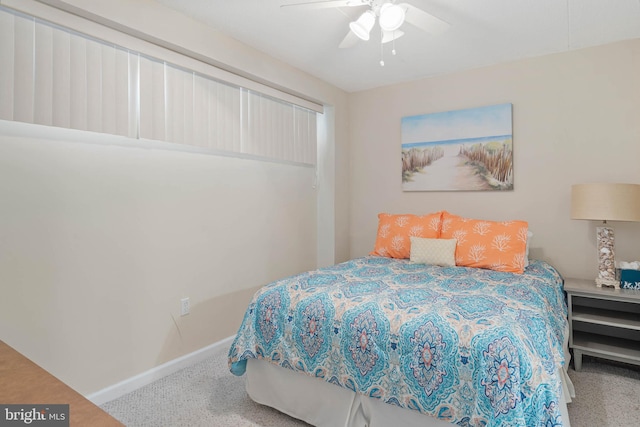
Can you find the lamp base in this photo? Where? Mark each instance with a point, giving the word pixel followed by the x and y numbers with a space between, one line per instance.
pixel 606 258
pixel 607 282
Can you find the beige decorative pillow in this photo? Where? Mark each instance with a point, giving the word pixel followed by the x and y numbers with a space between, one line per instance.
pixel 433 251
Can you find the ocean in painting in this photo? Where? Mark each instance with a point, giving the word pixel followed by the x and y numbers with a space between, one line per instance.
pixel 463 141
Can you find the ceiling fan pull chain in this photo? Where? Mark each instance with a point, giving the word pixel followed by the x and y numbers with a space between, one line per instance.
pixel 381 54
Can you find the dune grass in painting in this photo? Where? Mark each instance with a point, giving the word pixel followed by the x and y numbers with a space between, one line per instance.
pixel 494 161
pixel 414 159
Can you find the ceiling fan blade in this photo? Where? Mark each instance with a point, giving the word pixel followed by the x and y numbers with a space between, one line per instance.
pixel 388 36
pixel 322 4
pixel 349 40
pixel 423 20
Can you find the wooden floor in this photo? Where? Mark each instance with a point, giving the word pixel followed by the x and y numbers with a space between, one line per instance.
pixel 24 382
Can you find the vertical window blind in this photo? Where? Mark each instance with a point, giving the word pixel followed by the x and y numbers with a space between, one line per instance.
pixel 54 76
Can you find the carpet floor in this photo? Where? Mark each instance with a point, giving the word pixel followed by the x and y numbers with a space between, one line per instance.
pixel 206 394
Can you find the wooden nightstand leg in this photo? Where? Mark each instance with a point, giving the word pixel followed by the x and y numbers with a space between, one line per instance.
pixel 577 359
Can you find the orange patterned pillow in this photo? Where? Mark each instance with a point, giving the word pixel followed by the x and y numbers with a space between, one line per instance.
pixel 395 231
pixel 494 245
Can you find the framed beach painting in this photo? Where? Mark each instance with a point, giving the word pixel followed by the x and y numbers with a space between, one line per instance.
pixel 462 150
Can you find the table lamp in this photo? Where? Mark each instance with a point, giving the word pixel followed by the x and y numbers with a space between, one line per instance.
pixel 606 202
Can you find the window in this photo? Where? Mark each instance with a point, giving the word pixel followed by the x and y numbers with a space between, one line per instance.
pixel 54 76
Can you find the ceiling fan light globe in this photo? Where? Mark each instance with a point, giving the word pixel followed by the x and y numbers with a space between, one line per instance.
pixel 391 16
pixel 363 25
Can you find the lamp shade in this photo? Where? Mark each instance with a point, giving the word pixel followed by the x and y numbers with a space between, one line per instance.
pixel 363 25
pixel 606 202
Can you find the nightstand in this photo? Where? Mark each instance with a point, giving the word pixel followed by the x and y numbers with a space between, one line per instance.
pixel 604 322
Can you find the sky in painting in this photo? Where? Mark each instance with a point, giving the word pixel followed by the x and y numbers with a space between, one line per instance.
pixel 460 124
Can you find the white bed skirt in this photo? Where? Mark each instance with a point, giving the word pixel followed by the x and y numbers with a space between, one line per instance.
pixel 319 403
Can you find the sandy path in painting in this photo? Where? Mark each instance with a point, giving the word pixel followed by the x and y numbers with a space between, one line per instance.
pixel 447 173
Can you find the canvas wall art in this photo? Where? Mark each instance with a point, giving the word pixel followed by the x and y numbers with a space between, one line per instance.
pixel 462 150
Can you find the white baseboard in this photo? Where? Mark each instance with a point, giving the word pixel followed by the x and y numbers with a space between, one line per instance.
pixel 127 386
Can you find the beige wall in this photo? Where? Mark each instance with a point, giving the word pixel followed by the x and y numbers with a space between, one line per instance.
pixel 101 236
pixel 100 242
pixel 576 119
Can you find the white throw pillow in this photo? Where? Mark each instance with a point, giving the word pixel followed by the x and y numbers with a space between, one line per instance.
pixel 526 251
pixel 433 251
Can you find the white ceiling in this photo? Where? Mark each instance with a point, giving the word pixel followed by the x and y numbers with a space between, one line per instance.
pixel 482 32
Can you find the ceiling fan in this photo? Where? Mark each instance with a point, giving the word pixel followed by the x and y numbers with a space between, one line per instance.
pixel 390 15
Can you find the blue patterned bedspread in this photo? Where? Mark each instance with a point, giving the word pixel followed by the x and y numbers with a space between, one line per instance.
pixel 470 346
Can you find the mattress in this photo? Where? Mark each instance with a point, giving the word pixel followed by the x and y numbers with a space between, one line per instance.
pixel 460 345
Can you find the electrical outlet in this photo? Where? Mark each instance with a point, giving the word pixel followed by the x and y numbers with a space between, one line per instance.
pixel 184 306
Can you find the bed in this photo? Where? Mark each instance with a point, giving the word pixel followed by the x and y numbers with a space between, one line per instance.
pixel 379 341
